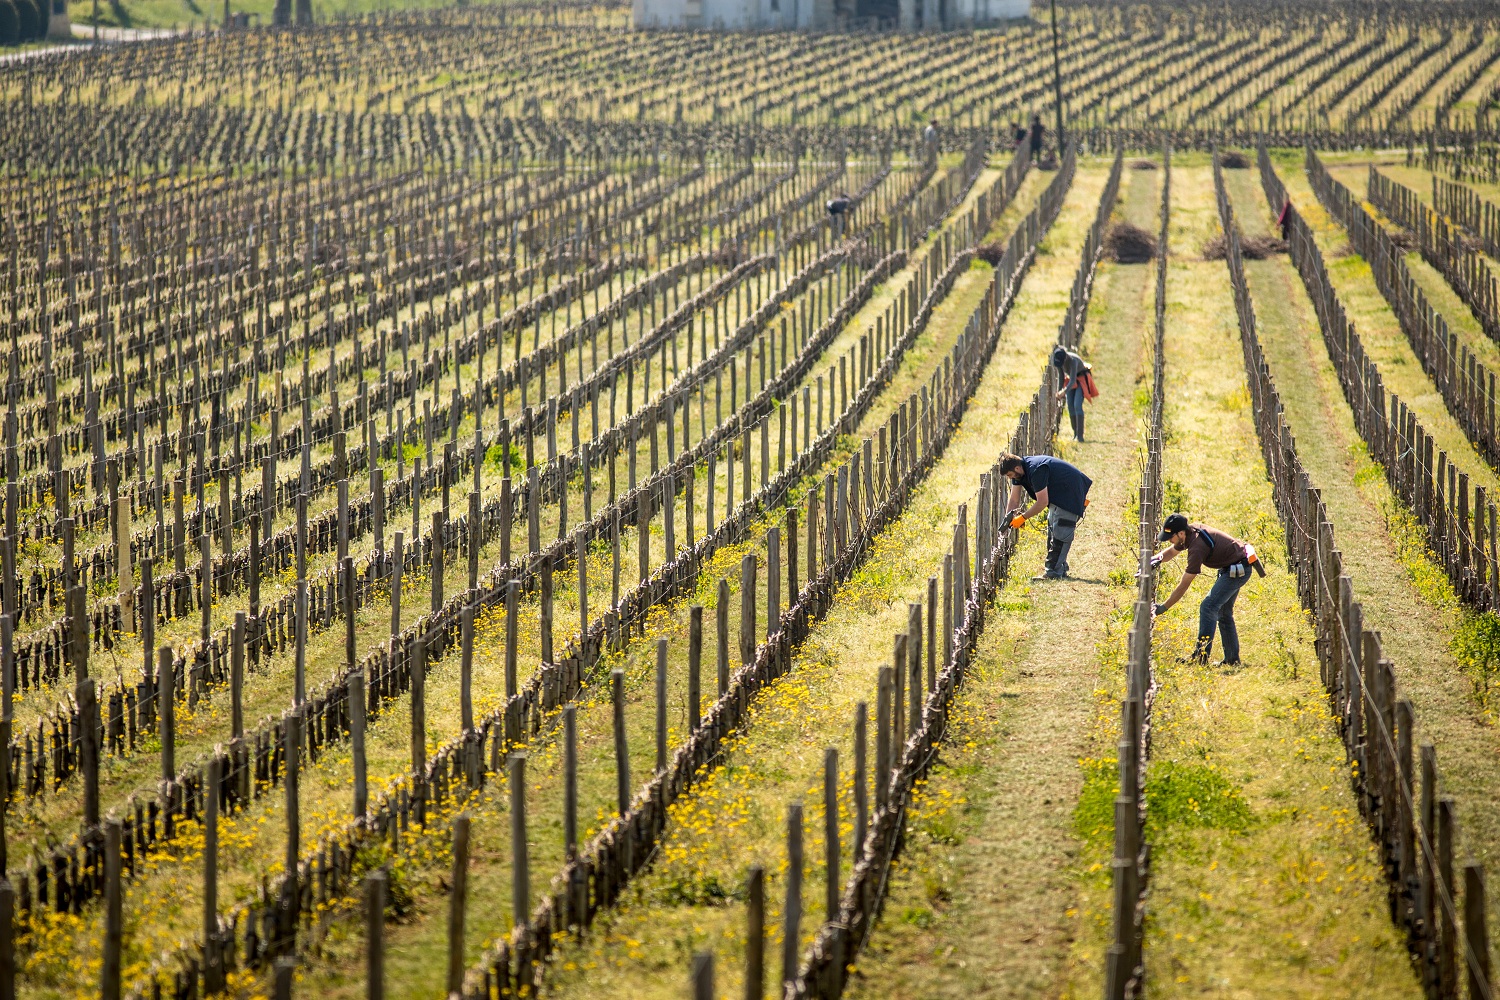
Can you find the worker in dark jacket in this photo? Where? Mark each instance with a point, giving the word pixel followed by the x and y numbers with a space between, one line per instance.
pixel 1038 133
pixel 1055 486
pixel 838 208
pixel 1209 548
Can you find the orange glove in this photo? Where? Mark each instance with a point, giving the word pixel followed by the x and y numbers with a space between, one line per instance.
pixel 1019 521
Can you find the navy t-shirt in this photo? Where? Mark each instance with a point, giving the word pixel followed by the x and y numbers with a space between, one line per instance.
pixel 1066 485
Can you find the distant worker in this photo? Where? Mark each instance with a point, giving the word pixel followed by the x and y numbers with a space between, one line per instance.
pixel 930 138
pixel 1055 486
pixel 1209 548
pixel 837 209
pixel 1018 134
pixel 1077 385
pixel 1038 133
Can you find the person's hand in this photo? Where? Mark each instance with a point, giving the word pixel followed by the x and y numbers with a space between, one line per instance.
pixel 1060 393
pixel 1155 561
pixel 1019 521
pixel 1158 609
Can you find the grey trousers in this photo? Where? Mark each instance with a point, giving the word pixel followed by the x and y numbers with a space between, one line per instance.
pixel 1060 527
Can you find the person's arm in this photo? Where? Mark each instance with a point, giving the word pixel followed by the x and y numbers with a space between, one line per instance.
pixel 1176 595
pixel 1013 502
pixel 1170 552
pixel 1037 507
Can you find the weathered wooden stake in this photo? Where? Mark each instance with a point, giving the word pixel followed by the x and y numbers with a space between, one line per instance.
pixel 861 801
pixel 398 568
pixel 350 656
pixel 883 704
pixel 1477 939
pixel 747 609
pixel 791 932
pixel 512 613
pixel 375 935
pixel 622 749
pixel 165 704
pixel 721 651
pixel 661 705
pixel 356 687
pixel 110 981
pixel 570 780
pixel 237 676
pixel 831 829
pixel 286 966
pixel 755 934
pixel 695 667
pixel 466 669
pixel 457 900
pixel 419 705
pixel 703 976
pixel 520 894
pixel 213 972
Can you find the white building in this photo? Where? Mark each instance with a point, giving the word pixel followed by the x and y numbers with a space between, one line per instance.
pixel 773 15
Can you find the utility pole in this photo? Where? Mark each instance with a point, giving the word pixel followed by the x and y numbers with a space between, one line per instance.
pixel 1057 82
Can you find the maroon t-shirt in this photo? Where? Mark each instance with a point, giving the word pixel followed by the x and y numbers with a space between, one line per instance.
pixel 1224 550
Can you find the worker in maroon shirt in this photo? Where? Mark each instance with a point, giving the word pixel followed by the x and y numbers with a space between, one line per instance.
pixel 1209 548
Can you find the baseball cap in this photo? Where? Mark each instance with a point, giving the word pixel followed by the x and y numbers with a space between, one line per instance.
pixel 1173 524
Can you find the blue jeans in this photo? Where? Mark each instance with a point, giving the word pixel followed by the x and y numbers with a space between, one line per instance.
pixel 1218 609
pixel 1075 411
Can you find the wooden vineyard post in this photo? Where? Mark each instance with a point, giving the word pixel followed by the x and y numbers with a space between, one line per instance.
pixel 914 667
pixel 546 616
pixel 350 656
pixel 512 612
pixel 1476 937
pixel 285 968
pixel 473 539
pixel 695 666
pixel 792 911
pixel 570 780
pixel 398 557
pixel 773 580
pixel 1447 939
pixel 622 749
pixel 113 921
pixel 356 685
pixel 831 829
pixel 88 713
pixel 419 705
pixel 703 976
pixel 661 705
pixel 466 670
pixel 755 934
pixel 932 602
pixel 861 803
pixel 237 676
pixel 437 547
pixel 375 935
pixel 747 609
pixel 290 894
pixel 520 894
pixel 721 648
pixel 165 704
pixel 898 697
pixel 457 900
pixel 580 546
pixel 213 963
pixel 883 705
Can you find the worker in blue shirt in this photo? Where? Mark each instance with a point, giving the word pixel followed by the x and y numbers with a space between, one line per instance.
pixel 1055 486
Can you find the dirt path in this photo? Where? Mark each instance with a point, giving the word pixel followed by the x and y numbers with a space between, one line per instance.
pixel 986 900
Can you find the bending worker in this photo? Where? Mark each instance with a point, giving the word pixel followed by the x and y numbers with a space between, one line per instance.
pixel 1055 486
pixel 1212 549
pixel 1077 385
